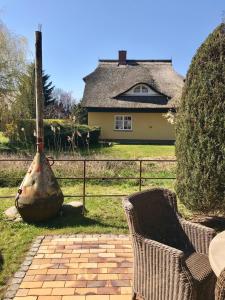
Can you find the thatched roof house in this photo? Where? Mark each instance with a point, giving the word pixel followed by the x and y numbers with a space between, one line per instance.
pixel 122 90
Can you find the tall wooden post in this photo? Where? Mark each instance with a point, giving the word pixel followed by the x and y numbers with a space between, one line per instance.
pixel 39 92
pixel 39 197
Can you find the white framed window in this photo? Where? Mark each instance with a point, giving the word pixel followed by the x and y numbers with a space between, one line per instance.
pixel 123 122
pixel 141 89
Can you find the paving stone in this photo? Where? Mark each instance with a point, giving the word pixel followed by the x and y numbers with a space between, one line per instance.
pixel 24 268
pixel 108 291
pixel 31 284
pixel 14 287
pixel 22 292
pixel 123 283
pixel 40 291
pixel 49 297
pixel 96 283
pixel 19 274
pixel 63 291
pixel 51 284
pixel 97 297
pixel 86 291
pixel 87 277
pixel 10 294
pixel 16 280
pixel 76 284
pixel 73 298
pixel 26 298
pixel 66 277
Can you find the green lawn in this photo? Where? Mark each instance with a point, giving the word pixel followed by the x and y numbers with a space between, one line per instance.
pixel 136 151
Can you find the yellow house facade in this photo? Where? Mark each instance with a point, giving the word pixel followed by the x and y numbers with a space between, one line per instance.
pixel 145 126
pixel 128 99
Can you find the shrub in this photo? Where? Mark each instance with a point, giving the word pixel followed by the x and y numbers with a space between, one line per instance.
pixel 58 134
pixel 200 128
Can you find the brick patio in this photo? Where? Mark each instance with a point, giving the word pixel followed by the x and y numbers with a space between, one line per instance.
pixel 78 267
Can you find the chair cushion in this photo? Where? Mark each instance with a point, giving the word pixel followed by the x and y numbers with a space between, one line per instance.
pixel 198 265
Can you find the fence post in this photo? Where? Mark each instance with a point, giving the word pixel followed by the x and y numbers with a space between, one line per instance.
pixel 140 173
pixel 84 186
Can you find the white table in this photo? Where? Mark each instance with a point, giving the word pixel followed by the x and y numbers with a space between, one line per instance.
pixel 217 253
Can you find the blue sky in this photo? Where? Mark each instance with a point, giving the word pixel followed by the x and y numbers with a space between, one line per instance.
pixel 76 33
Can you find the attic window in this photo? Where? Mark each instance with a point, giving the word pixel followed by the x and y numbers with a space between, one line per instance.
pixel 141 89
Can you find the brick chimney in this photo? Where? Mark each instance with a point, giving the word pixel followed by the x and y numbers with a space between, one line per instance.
pixel 122 60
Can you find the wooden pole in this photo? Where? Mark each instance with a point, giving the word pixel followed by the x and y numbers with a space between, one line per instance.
pixel 39 92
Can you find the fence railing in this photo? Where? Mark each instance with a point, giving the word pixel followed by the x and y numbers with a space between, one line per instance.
pixel 84 178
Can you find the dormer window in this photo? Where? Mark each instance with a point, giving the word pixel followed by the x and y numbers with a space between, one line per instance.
pixel 141 90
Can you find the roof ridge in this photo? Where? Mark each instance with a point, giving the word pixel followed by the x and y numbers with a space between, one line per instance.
pixel 137 60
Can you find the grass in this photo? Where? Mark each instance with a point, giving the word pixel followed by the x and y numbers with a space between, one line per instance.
pixel 136 151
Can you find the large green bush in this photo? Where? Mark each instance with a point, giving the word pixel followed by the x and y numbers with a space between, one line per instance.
pixel 200 129
pixel 58 134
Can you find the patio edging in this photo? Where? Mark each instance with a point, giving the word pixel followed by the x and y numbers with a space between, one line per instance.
pixel 15 281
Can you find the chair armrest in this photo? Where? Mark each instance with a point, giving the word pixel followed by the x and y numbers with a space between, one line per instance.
pixel 163 268
pixel 168 250
pixel 199 235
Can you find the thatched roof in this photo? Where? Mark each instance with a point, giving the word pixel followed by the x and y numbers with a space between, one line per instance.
pixel 105 87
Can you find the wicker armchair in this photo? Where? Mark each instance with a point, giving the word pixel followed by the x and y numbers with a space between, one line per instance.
pixel 170 253
pixel 220 287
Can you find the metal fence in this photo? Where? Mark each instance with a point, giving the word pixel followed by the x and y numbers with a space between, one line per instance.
pixel 86 178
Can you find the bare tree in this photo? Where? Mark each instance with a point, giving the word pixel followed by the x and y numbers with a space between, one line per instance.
pixel 13 50
pixel 64 98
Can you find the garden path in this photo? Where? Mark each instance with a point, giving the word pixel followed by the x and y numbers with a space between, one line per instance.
pixel 75 267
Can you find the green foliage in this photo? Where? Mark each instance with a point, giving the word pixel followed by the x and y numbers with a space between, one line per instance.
pixel 200 128
pixel 80 113
pixel 59 134
pixel 47 89
pixel 24 106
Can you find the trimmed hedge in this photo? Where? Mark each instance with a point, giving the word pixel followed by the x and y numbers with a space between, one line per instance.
pixel 58 134
pixel 200 129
